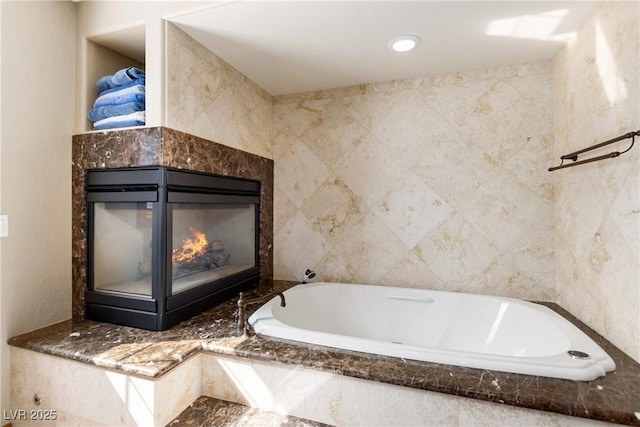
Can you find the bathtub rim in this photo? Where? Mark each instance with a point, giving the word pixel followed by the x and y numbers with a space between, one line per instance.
pixel 266 324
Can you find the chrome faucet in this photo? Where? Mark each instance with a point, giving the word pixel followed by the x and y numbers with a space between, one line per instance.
pixel 242 308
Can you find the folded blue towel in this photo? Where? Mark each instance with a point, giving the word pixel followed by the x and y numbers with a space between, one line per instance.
pixel 120 78
pixel 133 119
pixel 119 100
pixel 127 75
pixel 137 82
pixel 99 113
pixel 122 96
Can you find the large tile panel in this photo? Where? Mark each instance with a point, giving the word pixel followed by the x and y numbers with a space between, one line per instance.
pixel 435 182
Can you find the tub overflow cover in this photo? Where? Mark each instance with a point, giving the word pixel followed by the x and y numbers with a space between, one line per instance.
pixel 578 354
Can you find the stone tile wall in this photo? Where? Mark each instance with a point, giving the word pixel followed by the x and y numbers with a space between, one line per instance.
pixel 437 182
pixel 209 98
pixel 596 81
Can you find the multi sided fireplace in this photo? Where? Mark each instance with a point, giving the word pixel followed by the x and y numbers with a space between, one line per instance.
pixel 165 244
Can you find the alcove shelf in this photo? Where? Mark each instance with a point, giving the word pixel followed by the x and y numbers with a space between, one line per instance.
pixel 108 53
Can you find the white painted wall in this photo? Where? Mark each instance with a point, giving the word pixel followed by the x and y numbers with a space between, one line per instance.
pixel 37 105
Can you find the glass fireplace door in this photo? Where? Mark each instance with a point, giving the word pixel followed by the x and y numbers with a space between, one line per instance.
pixel 165 244
pixel 210 241
pixel 122 247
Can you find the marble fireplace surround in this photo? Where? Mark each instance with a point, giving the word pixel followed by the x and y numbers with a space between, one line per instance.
pixel 161 146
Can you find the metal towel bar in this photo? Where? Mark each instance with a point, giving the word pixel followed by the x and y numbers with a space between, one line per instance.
pixel 574 156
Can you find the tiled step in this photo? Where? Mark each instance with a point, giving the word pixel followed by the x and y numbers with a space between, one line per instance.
pixel 207 411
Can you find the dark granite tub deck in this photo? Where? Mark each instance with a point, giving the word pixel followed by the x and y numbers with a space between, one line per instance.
pixel 207 411
pixel 614 397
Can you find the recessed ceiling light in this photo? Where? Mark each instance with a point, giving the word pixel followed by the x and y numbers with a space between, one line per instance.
pixel 404 42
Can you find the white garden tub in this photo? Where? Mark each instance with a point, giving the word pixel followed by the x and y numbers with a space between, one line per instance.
pixel 477 331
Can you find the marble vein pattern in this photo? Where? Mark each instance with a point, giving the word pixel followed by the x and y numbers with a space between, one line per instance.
pixel 207 411
pixel 614 397
pixel 161 146
pixel 596 80
pixel 445 174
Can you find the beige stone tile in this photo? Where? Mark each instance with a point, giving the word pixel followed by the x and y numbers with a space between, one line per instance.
pixel 412 210
pixel 299 246
pixel 219 382
pixel 283 209
pixel 625 213
pixel 298 116
pixel 283 138
pixel 456 252
pixel 332 209
pixel 370 248
pixel 335 135
pixel 411 271
pixel 370 171
pixel 299 173
pixel 176 390
pixel 379 404
pixel 208 98
pixel 504 211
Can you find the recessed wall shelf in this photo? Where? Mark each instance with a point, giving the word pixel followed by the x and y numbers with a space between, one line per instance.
pixel 106 54
pixel 574 156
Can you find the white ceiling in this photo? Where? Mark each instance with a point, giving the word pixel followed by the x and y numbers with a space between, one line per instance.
pixel 298 46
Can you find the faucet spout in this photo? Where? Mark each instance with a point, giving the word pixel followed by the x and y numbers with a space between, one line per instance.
pixel 242 308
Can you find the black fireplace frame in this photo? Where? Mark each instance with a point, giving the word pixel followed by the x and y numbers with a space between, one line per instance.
pixel 162 186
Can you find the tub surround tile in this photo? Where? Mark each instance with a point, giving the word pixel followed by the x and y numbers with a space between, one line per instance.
pixel 300 158
pixel 412 210
pixel 329 146
pixel 299 236
pixel 455 251
pixel 359 246
pixel 413 154
pixel 613 397
pixel 371 172
pixel 596 83
pixel 161 146
pixel 332 209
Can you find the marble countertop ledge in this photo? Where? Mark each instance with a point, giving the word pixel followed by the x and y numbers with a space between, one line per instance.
pixel 614 397
pixel 206 412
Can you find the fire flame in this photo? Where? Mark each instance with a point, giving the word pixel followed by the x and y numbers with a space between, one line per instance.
pixel 191 248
